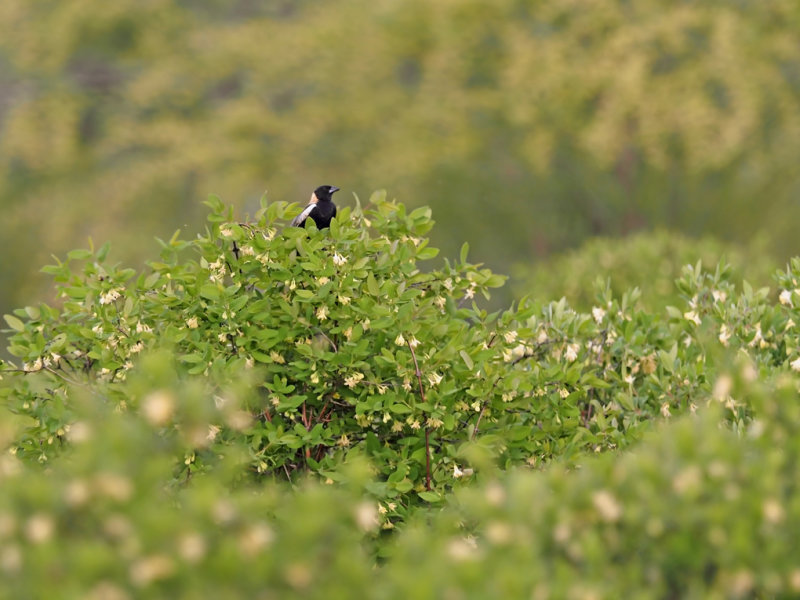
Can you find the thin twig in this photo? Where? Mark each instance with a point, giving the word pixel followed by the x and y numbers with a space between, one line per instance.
pixel 266 415
pixel 119 322
pixel 64 377
pixel 478 422
pixel 427 429
pixel 330 341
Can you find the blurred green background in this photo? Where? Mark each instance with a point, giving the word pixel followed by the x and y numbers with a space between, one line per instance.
pixel 527 126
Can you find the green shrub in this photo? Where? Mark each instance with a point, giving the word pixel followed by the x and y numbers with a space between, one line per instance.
pixel 171 407
pixel 650 261
pixel 696 511
pixel 340 344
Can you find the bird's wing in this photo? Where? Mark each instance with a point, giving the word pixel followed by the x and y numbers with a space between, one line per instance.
pixel 300 219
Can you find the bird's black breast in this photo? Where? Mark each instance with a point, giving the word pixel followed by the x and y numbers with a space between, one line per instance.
pixel 323 213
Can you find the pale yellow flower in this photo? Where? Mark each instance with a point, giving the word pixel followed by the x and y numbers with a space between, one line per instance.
pixel 572 352
pixel 692 316
pixel 109 297
pixel 724 335
pixel 434 379
pixel 434 422
pixel 352 380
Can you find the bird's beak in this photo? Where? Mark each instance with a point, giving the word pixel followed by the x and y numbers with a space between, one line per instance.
pixel 334 189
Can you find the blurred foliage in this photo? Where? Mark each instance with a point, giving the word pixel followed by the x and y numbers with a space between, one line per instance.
pixel 696 511
pixel 651 261
pixel 546 121
pixel 693 512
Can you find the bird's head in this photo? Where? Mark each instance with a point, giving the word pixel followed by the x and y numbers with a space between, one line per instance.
pixel 324 193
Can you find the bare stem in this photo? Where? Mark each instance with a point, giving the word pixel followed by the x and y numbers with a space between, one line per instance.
pixel 427 429
pixel 330 341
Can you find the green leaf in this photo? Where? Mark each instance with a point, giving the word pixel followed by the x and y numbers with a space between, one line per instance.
pixel 14 322
pixel 79 254
pixel 673 312
pixel 404 486
pixel 464 252
pixel 427 253
pixel 372 285
pixel 151 280
pixel 595 381
pixel 432 497
pixel 466 358
pixel 495 280
pixel 102 253
pixel 209 291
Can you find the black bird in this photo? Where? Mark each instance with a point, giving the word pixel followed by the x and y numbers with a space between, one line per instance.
pixel 320 208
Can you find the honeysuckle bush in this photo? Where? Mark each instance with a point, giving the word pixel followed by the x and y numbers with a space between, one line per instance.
pixel 351 345
pixel 650 261
pixel 694 511
pixel 337 343
pixel 168 408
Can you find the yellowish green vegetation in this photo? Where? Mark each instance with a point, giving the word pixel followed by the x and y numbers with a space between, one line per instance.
pixel 243 409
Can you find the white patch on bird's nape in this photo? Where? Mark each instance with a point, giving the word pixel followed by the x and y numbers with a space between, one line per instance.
pixel 314 198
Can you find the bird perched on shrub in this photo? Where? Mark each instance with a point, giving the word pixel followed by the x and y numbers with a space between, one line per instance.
pixel 320 208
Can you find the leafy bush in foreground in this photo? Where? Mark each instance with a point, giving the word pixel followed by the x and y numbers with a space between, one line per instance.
pixel 696 511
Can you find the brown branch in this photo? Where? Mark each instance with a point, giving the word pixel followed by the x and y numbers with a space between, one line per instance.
pixel 478 422
pixel 321 417
pixel 427 429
